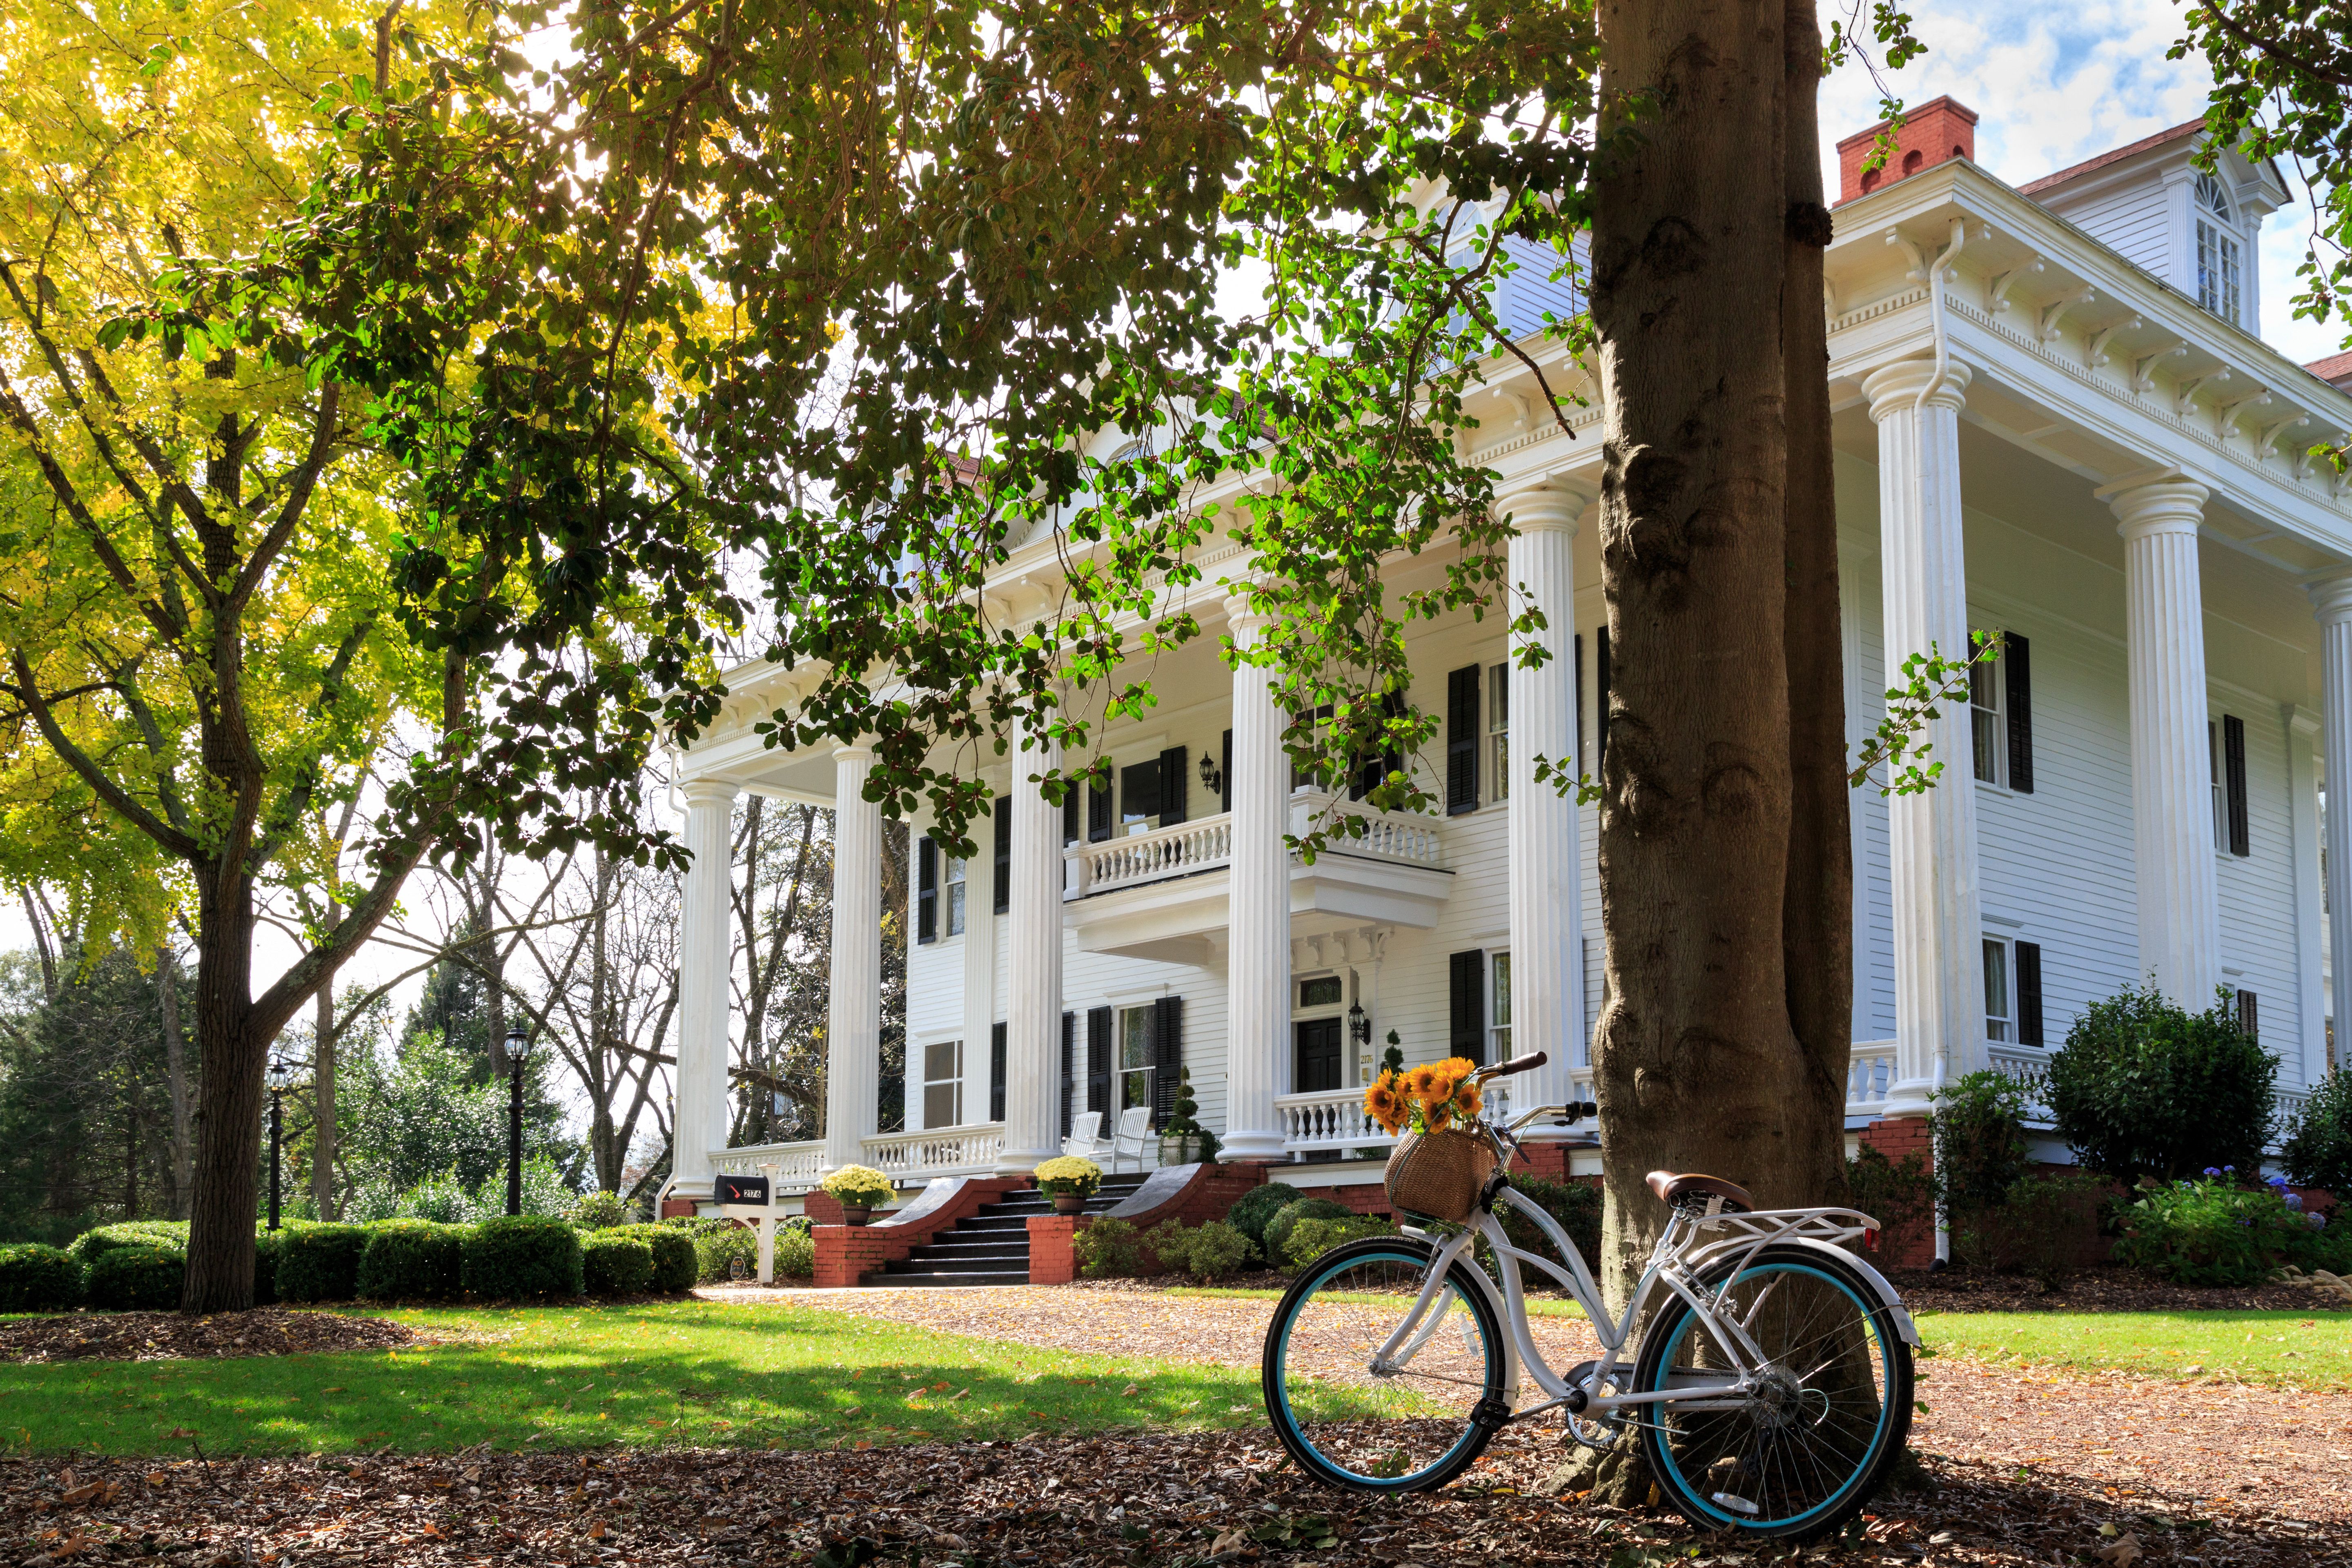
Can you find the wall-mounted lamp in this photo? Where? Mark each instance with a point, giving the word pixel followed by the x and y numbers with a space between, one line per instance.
pixel 1359 1026
pixel 1211 779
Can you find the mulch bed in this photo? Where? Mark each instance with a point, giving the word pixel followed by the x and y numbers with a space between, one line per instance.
pixel 173 1336
pixel 1139 1500
pixel 2109 1288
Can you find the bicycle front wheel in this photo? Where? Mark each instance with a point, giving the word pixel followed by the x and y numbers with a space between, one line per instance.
pixel 1355 1417
pixel 1799 1454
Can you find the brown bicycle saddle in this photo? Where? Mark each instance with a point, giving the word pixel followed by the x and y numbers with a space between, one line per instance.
pixel 1674 1189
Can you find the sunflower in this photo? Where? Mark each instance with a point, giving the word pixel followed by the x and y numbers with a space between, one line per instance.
pixel 1457 1068
pixel 1381 1104
pixel 1428 1084
pixel 1468 1099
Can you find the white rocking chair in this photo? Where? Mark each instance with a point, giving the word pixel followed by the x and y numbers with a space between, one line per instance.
pixel 1133 1137
pixel 1085 1140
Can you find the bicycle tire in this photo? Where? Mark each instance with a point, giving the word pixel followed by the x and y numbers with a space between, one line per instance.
pixel 1768 1445
pixel 1328 1460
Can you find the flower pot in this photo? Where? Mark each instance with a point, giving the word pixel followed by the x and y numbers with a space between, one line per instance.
pixel 1181 1149
pixel 1070 1202
pixel 856 1213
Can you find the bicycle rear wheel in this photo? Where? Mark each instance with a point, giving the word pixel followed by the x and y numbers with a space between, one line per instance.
pixel 1800 1455
pixel 1409 1425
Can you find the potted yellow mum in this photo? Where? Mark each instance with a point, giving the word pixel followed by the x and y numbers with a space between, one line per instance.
pixel 1069 1180
pixel 860 1190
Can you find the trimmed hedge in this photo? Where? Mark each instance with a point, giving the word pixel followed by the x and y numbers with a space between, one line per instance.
pixel 320 1262
pixel 171 1234
pixel 137 1278
pixel 796 1253
pixel 1254 1207
pixel 36 1279
pixel 411 1260
pixel 518 1258
pixel 675 1265
pixel 611 1264
pixel 1278 1229
pixel 268 1250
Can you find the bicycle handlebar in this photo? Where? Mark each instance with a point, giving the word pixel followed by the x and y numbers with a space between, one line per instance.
pixel 1528 1063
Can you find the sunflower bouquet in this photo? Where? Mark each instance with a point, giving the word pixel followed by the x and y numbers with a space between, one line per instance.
pixel 1427 1099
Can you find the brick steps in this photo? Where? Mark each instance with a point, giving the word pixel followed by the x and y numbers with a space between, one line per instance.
pixel 991 1246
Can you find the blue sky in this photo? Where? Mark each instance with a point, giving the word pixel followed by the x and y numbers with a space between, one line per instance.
pixel 2056 83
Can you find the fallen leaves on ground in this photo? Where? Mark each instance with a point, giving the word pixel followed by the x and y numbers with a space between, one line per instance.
pixel 172 1336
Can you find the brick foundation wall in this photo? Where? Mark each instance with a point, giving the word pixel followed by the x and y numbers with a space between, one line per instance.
pixel 677 1208
pixel 1053 1249
pixel 846 1252
pixel 1912 1246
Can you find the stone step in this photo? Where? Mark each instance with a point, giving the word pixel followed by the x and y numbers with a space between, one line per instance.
pixel 902 1281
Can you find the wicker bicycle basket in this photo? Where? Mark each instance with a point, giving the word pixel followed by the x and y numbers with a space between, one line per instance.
pixel 1440 1174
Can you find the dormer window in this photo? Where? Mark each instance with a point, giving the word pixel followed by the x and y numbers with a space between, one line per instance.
pixel 2219 258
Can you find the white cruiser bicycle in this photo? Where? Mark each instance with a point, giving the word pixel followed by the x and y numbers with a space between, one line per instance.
pixel 1771 1392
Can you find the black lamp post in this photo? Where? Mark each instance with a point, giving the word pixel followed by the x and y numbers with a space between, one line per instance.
pixel 279 1076
pixel 517 1046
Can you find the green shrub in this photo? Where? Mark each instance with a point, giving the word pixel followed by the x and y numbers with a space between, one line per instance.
pixel 320 1262
pixel 136 1278
pixel 674 1261
pixel 1254 1207
pixel 1901 1198
pixel 1208 1252
pixel 2142 1088
pixel 614 1265
pixel 2211 1231
pixel 1981 1149
pixel 36 1278
pixel 1575 1205
pixel 411 1260
pixel 715 1252
pixel 2045 1225
pixel 599 1210
pixel 1311 1238
pixel 1108 1248
pixel 269 1246
pixel 1277 1229
pixel 795 1254
pixel 2318 1148
pixel 170 1235
pixel 520 1257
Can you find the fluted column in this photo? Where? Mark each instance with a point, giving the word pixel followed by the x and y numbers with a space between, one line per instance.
pixel 2332 600
pixel 853 1053
pixel 2172 767
pixel 1932 836
pixel 1257 971
pixel 1032 1012
pixel 1547 895
pixel 698 1114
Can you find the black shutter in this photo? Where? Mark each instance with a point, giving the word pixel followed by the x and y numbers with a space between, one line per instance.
pixel 1167 1055
pixel 1225 773
pixel 1468 992
pixel 1139 789
pixel 1601 706
pixel 1099 812
pixel 2250 1021
pixel 1577 695
pixel 2029 992
pixel 2017 668
pixel 1069 1067
pixel 1173 786
pixel 1462 740
pixel 1000 894
pixel 1071 831
pixel 996 1072
pixel 2234 766
pixel 1100 1023
pixel 927 890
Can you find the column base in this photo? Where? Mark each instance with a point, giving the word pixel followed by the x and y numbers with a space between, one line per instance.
pixel 1245 1144
pixel 1908 1098
pixel 1020 1162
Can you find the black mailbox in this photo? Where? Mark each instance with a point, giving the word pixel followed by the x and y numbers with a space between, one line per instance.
pixel 744 1190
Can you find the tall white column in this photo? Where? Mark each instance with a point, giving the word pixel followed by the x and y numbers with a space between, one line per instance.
pixel 1257 969
pixel 1546 893
pixel 2334 601
pixel 2172 771
pixel 1033 1006
pixel 698 1114
pixel 853 1053
pixel 1939 1008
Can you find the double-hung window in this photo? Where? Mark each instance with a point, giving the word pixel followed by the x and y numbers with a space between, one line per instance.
pixel 2001 1009
pixel 1988 721
pixel 1498 730
pixel 1132 1073
pixel 1498 1033
pixel 953 877
pixel 2220 255
pixel 943 1083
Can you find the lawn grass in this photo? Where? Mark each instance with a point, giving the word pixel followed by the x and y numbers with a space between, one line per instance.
pixel 2288 1350
pixel 1538 1307
pixel 691 1373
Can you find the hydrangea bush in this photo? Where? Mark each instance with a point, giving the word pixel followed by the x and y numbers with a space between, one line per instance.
pixel 2212 1229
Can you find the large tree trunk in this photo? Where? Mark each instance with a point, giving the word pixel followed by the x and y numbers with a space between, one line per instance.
pixel 323 1139
pixel 229 1101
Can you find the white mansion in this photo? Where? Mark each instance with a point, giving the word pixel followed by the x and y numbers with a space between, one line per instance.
pixel 2055 418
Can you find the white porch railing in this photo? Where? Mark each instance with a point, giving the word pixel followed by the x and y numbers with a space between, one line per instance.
pixel 1328 1119
pixel 1164 852
pixel 1388 834
pixel 798 1165
pixel 1869 1070
pixel 968 1151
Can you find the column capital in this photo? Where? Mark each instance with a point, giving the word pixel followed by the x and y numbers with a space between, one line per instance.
pixel 1551 501
pixel 1898 386
pixel 709 792
pixel 2158 500
pixel 2331 600
pixel 1241 619
pixel 852 754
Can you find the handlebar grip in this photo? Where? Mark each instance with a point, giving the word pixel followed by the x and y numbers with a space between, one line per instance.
pixel 1528 1063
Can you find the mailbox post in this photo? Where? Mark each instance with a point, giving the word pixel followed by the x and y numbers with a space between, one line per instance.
pixel 754 1198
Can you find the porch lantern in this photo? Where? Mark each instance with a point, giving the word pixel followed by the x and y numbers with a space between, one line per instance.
pixel 1359 1026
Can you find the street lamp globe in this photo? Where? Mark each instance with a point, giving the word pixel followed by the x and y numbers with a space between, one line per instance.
pixel 517 1045
pixel 280 1074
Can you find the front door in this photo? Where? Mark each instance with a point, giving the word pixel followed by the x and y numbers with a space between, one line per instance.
pixel 1319 1056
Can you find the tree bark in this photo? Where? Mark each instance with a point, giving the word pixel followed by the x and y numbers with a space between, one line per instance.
pixel 323 1045
pixel 175 1073
pixel 229 1099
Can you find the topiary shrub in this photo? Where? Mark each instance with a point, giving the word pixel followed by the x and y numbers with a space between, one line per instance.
pixel 1109 1250
pixel 1311 1238
pixel 795 1254
pixel 320 1262
pixel 675 1267
pixel 411 1260
pixel 522 1257
pixel 1277 1229
pixel 611 1264
pixel 137 1278
pixel 36 1279
pixel 2144 1089
pixel 1254 1207
pixel 168 1234
pixel 1575 1205
pixel 1209 1252
pixel 599 1210
pixel 2318 1148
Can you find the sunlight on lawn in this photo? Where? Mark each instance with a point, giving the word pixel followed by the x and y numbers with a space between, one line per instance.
pixel 2294 1350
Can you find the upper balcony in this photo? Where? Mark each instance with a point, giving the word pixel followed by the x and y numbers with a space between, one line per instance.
pixel 1160 893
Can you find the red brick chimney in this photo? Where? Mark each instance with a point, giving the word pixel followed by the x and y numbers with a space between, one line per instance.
pixel 1933 132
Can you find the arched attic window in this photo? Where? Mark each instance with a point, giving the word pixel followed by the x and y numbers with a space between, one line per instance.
pixel 2220 257
pixel 1132 449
